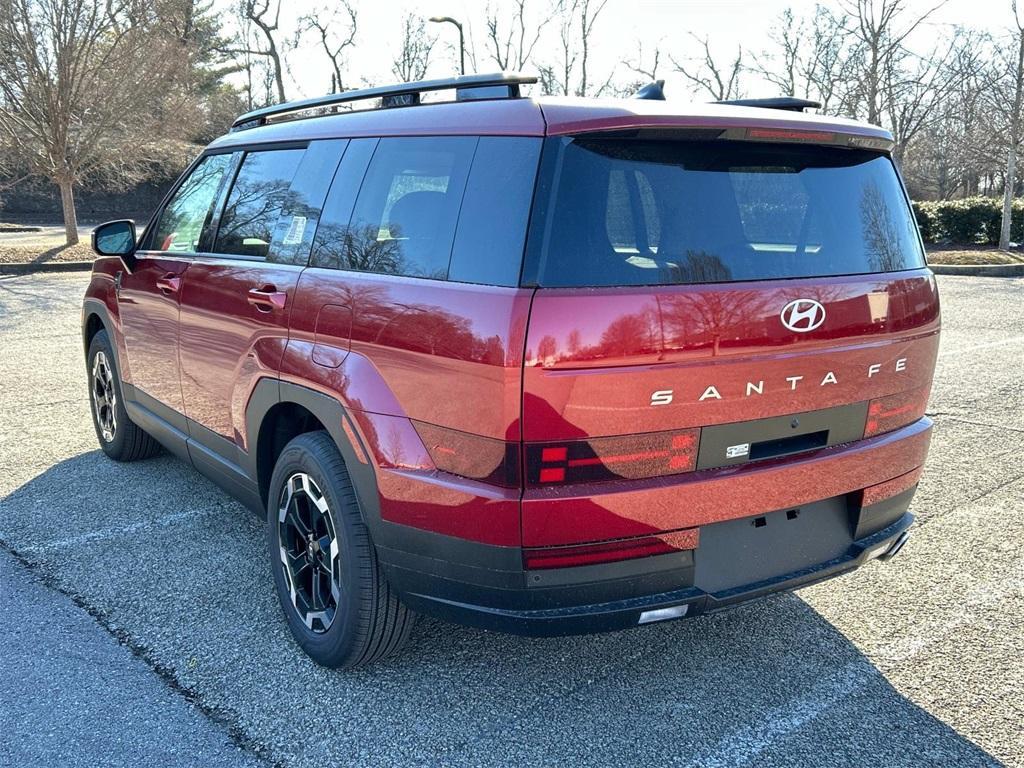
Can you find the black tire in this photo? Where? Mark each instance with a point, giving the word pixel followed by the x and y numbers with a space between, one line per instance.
pixel 368 621
pixel 120 438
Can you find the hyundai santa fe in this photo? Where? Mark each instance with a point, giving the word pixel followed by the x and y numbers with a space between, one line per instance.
pixel 544 366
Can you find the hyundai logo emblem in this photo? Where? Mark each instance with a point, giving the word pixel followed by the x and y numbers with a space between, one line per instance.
pixel 802 315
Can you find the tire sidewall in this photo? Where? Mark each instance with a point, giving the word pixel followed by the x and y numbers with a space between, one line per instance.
pixel 342 639
pixel 116 447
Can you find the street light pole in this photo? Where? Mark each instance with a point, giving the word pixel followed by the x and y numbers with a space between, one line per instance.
pixel 462 40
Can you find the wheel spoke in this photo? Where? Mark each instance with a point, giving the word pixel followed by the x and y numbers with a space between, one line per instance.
pixel 309 551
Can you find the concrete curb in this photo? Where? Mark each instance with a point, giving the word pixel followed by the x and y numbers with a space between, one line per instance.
pixel 22 268
pixel 979 270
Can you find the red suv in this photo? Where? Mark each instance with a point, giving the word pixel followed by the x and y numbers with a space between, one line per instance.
pixel 544 366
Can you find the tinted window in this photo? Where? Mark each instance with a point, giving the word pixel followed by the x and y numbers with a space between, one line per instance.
pixel 260 193
pixel 405 214
pixel 495 211
pixel 191 208
pixel 626 212
pixel 300 215
pixel 329 248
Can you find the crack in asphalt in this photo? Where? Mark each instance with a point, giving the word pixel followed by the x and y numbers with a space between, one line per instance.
pixel 223 719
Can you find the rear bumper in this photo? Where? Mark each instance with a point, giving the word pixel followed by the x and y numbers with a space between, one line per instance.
pixel 626 612
pixel 812 516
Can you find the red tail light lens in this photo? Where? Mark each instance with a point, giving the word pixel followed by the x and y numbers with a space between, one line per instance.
pixel 478 458
pixel 610 551
pixel 630 457
pixel 888 413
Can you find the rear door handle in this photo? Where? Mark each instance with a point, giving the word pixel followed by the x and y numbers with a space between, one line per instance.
pixel 169 283
pixel 267 298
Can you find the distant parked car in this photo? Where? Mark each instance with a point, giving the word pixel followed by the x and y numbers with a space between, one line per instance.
pixel 538 365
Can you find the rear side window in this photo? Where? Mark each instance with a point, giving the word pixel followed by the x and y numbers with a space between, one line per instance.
pixel 257 199
pixel 408 206
pixel 629 212
pixel 190 209
pixel 495 212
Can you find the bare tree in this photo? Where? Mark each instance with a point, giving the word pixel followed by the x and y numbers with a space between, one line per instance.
pixel 71 74
pixel 570 74
pixel 811 57
pixel 513 48
pixel 1014 123
pixel 782 67
pixel 335 29
pixel 880 31
pixel 719 81
pixel 266 16
pixel 414 54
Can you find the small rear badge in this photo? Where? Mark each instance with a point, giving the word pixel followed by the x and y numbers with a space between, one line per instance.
pixel 735 451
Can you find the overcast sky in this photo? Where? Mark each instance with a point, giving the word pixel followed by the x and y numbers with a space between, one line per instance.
pixel 727 23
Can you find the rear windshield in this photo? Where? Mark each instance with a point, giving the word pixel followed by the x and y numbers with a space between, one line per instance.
pixel 629 212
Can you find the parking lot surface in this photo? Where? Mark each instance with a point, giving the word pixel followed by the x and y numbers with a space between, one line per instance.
pixel 154 626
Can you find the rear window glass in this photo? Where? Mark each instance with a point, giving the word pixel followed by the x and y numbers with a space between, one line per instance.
pixel 627 212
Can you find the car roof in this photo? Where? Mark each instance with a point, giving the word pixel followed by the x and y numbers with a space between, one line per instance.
pixel 544 116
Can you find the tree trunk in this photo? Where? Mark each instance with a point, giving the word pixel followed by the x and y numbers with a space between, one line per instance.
pixel 1011 176
pixel 67 203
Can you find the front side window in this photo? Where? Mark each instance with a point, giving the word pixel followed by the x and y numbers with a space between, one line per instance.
pixel 189 211
pixel 260 193
pixel 408 206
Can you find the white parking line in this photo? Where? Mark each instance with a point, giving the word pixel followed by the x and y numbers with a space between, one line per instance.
pixel 744 745
pixel 110 533
pixel 975 347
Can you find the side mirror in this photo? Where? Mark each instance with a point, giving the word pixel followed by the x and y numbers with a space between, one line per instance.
pixel 116 238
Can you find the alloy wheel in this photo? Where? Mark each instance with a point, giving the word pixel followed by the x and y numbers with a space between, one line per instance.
pixel 104 396
pixel 309 552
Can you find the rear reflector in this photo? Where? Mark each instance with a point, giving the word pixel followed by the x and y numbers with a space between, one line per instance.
pixel 630 457
pixel 888 413
pixel 876 493
pixel 610 551
pixel 478 458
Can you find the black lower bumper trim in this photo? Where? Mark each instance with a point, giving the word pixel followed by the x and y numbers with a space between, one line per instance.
pixel 629 612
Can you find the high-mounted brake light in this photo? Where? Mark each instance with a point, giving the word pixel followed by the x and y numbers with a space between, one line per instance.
pixel 631 457
pixel 610 551
pixel 888 413
pixel 788 134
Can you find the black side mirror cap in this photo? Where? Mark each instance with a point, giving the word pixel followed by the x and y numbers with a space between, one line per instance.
pixel 116 238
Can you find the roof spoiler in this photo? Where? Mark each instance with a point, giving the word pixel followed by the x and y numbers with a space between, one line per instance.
pixel 786 103
pixel 500 85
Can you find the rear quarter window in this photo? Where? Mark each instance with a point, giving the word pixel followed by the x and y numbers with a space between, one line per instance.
pixel 628 212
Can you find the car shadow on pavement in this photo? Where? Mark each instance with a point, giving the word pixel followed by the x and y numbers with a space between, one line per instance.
pixel 179 570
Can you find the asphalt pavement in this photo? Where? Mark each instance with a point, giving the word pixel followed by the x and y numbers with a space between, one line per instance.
pixel 138 622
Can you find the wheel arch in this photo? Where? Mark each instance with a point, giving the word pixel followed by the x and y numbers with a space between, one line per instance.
pixel 280 411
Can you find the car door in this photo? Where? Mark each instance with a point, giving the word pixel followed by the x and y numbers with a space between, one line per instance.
pixel 149 296
pixel 236 297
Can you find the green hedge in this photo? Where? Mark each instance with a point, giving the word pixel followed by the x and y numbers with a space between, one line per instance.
pixel 973 220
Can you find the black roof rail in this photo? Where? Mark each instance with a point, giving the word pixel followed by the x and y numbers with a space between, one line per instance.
pixel 787 103
pixel 467 87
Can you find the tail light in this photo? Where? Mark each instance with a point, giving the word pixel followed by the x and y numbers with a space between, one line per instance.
pixel 478 458
pixel 630 457
pixel 888 413
pixel 610 551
